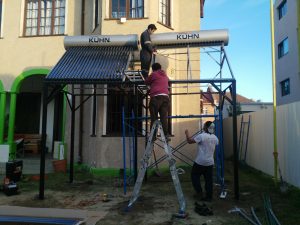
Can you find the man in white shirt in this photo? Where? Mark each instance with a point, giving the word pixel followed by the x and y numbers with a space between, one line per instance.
pixel 204 162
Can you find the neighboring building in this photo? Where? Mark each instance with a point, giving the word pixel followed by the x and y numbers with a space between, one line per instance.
pixel 244 105
pixel 31 43
pixel 287 44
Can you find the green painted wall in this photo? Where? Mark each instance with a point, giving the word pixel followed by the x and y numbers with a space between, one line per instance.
pixel 2 112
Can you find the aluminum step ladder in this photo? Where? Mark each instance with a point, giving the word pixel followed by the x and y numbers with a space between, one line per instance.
pixel 172 165
pixel 136 76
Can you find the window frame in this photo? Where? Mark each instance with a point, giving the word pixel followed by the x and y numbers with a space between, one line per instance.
pixel 282 9
pixel 283 49
pixel 167 15
pixel 285 87
pixel 128 9
pixel 52 19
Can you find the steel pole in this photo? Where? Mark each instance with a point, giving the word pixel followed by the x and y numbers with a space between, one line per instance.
pixel 275 153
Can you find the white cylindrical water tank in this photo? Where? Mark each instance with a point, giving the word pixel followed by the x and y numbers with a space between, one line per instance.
pixel 192 38
pixel 102 40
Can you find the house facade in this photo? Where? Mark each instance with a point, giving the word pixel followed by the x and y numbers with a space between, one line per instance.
pixel 31 43
pixel 287 44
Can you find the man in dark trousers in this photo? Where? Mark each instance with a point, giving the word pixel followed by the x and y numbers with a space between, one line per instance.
pixel 204 162
pixel 159 96
pixel 147 49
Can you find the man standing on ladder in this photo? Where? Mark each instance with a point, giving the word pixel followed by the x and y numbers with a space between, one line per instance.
pixel 204 161
pixel 147 50
pixel 159 97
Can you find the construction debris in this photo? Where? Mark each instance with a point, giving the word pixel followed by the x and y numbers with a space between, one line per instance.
pixel 253 219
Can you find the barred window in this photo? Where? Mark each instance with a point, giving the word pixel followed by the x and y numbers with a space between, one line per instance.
pixel 44 17
pixel 116 100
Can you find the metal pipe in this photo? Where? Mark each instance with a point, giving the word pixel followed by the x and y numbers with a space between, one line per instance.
pixel 135 166
pixel 275 153
pixel 274 217
pixel 94 117
pixel 239 211
pixel 43 143
pixel 72 137
pixel 255 217
pixel 124 147
pixel 235 150
pixel 81 109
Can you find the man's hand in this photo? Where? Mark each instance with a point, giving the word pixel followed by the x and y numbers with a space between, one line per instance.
pixel 186 132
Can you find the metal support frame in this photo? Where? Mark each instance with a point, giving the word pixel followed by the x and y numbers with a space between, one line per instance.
pixel 134 85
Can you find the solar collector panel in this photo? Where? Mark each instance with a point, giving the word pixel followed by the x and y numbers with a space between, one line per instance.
pixel 91 64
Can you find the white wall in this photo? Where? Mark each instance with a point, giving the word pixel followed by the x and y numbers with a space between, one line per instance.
pixel 248 107
pixel 260 142
pixel 289 141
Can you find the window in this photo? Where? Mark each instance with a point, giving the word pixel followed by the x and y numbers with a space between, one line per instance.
pixel 44 17
pixel 285 87
pixel 283 48
pixel 127 8
pixel 165 12
pixel 115 101
pixel 282 9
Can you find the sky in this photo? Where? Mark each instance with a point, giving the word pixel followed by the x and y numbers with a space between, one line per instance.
pixel 249 48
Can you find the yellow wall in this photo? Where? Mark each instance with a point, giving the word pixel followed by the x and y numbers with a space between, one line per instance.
pixel 18 53
pixel 32 52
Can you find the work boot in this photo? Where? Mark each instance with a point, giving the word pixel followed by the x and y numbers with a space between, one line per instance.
pixel 206 199
pixel 203 209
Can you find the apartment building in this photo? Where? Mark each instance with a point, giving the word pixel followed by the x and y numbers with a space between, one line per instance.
pixel 287 43
pixel 31 43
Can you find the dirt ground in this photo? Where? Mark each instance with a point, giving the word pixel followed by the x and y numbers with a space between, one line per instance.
pixel 156 204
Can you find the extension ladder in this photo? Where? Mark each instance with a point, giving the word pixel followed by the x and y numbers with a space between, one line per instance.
pixel 144 164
